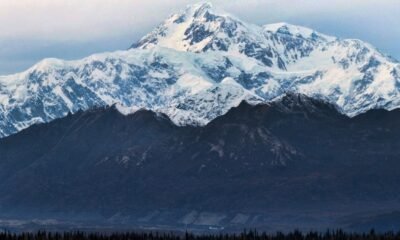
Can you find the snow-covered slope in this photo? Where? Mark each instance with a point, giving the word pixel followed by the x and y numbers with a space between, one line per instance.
pixel 197 65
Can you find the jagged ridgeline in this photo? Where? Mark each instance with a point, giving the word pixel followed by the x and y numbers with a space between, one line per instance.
pixel 198 64
pixel 264 166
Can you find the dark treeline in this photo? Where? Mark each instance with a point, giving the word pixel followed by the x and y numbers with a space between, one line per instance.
pixel 246 235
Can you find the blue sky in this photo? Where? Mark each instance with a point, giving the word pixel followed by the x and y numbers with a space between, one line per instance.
pixel 31 30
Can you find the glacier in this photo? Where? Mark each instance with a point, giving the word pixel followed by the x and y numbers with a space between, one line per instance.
pixel 198 64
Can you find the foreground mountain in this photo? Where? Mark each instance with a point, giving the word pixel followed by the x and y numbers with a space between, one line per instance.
pixel 197 65
pixel 289 164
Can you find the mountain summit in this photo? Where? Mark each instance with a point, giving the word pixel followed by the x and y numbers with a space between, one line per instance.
pixel 200 28
pixel 197 65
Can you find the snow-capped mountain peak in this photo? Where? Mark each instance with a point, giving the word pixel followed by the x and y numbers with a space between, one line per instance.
pixel 202 28
pixel 194 29
pixel 198 64
pixel 198 9
pixel 297 31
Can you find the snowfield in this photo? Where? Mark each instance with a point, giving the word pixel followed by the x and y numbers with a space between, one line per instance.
pixel 198 64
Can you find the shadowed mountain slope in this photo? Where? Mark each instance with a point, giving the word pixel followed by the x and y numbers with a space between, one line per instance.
pixel 296 154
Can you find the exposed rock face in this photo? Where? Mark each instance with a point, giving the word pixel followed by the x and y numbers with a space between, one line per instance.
pixel 197 65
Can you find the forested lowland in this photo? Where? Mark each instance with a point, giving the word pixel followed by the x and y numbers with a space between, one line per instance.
pixel 245 235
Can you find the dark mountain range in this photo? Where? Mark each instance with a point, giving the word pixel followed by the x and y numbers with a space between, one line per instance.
pixel 296 162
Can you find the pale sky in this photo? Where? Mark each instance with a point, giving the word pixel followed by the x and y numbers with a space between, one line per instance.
pixel 70 29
